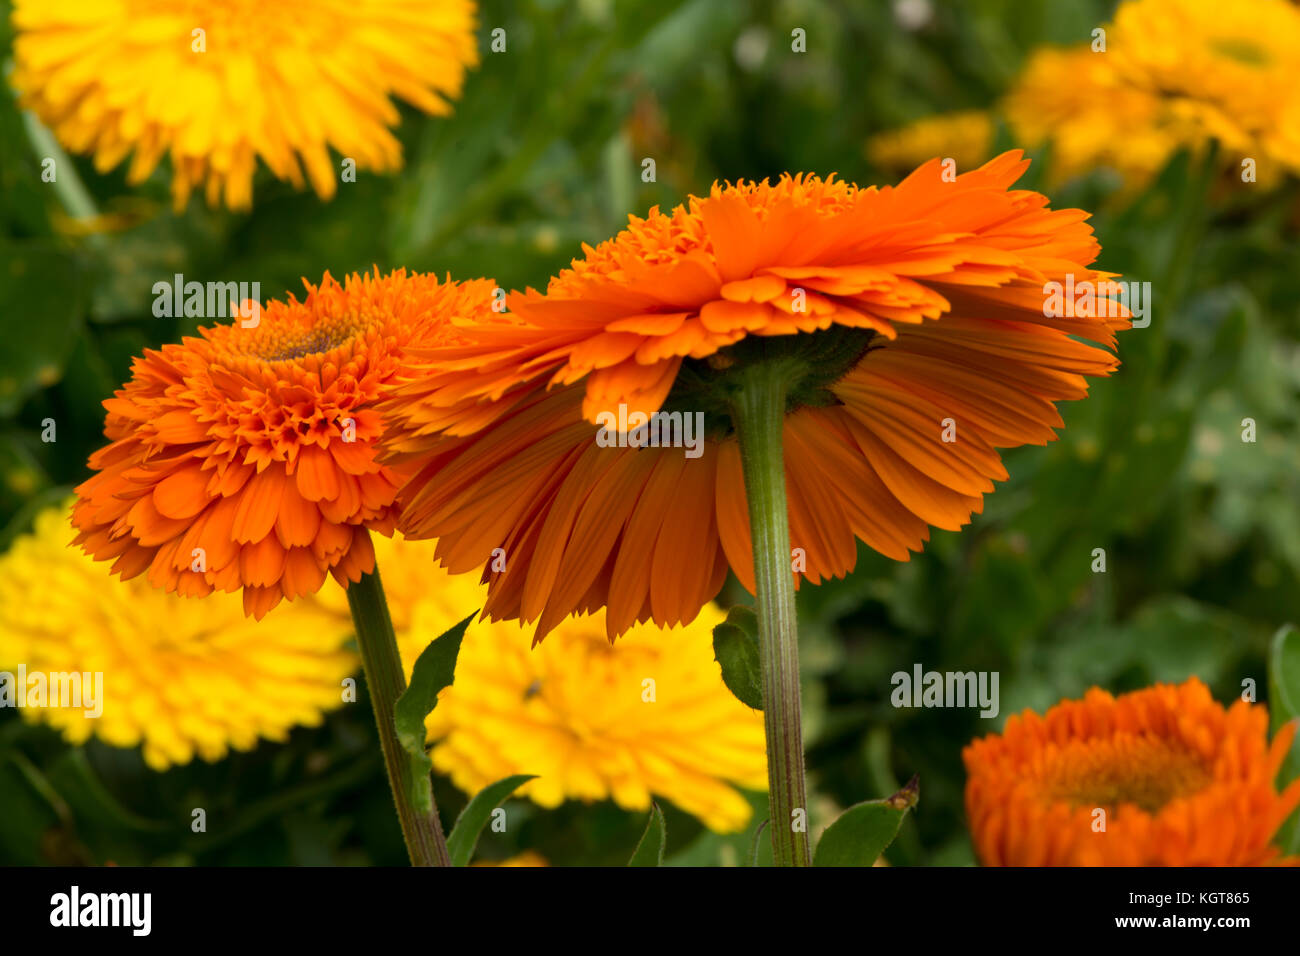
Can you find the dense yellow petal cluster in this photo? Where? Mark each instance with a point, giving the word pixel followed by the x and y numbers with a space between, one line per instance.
pixel 181 677
pixel 1173 74
pixel 1074 100
pixel 646 716
pixel 216 84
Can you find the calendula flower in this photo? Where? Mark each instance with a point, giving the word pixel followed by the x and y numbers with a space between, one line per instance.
pixel 1175 74
pixel 1234 68
pixel 216 84
pixel 594 721
pixel 910 319
pixel 1163 776
pixel 965 136
pixel 1064 97
pixel 244 458
pixel 177 678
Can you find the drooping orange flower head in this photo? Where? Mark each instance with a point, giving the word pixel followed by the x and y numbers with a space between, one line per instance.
pixel 1163 776
pixel 914 321
pixel 245 459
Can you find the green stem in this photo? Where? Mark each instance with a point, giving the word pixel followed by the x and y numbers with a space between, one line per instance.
pixel 386 681
pixel 758 411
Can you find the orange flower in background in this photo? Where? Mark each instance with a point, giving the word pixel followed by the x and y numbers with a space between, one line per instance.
pixel 244 458
pixel 907 310
pixel 218 84
pixel 1182 780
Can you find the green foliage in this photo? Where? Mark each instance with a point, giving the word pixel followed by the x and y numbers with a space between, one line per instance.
pixel 434 669
pixel 1284 693
pixel 464 835
pixel 650 851
pixel 865 830
pixel 736 649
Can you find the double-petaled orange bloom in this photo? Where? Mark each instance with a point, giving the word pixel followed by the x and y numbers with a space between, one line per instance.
pixel 916 314
pixel 1160 777
pixel 245 458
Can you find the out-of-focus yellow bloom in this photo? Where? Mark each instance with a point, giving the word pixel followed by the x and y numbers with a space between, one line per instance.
pixel 646 715
pixel 1073 99
pixel 965 136
pixel 181 677
pixel 1231 68
pixel 218 83
pixel 1175 74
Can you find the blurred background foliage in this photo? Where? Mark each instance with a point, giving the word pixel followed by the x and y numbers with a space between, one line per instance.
pixel 545 151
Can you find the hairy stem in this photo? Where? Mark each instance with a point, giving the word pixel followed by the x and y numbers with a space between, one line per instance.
pixel 386 681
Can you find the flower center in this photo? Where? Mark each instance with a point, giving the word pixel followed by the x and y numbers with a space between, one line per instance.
pixel 1126 769
pixel 291 340
pixel 1240 49
pixel 810 363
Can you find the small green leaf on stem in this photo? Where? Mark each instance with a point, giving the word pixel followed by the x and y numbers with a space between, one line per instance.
pixel 434 669
pixel 735 648
pixel 650 851
pixel 864 830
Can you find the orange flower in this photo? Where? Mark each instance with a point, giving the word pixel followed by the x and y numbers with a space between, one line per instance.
pixel 914 313
pixel 1182 781
pixel 245 458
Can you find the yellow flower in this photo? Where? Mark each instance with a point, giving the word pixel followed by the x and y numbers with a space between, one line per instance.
pixel 218 83
pixel 593 720
pixel 1175 74
pixel 1074 100
pixel 965 136
pixel 1232 68
pixel 182 677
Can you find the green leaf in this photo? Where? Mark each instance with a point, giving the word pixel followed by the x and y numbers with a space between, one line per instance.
pixel 434 669
pixel 650 851
pixel 735 648
pixel 738 848
pixel 864 830
pixel 41 292
pixel 470 823
pixel 1284 676
pixel 1284 706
